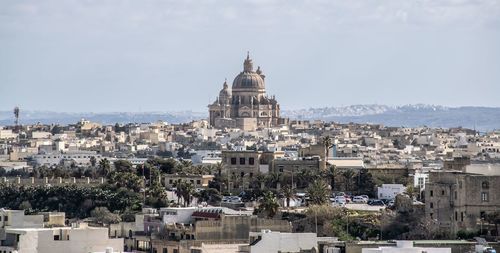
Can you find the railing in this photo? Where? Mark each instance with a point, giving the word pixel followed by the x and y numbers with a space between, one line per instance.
pixel 52 181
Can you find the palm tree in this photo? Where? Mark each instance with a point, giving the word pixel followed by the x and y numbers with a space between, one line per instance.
pixel 272 179
pixel 318 192
pixel 327 143
pixel 185 191
pixel 494 218
pixel 410 191
pixel 331 172
pixel 268 204
pixel 219 167
pixel 289 193
pixel 304 177
pixel 348 176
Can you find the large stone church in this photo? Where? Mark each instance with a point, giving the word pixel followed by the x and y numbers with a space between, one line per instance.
pixel 245 105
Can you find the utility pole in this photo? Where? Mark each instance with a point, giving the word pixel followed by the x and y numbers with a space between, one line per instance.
pixel 316 221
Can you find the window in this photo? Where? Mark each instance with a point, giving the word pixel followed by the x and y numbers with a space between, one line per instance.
pixel 56 237
pixel 431 205
pixel 165 250
pixel 233 160
pixel 280 168
pixel 6 218
pixel 461 216
pixel 431 193
pixel 420 182
pixel 242 160
pixel 455 194
pixel 251 174
pixel 242 174
pixel 484 197
pixel 485 185
pixel 170 181
pixel 198 181
pixel 251 161
pixel 442 192
pixel 456 215
pixel 176 251
pixel 432 215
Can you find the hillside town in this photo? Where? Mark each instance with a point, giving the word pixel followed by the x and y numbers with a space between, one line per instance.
pixel 247 180
pixel 300 186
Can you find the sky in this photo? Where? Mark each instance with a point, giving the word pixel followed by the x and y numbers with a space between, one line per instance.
pixel 162 55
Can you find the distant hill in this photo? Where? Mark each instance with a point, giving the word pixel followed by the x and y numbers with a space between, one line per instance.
pixel 47 117
pixel 481 118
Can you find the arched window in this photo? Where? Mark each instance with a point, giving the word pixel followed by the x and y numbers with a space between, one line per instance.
pixel 485 185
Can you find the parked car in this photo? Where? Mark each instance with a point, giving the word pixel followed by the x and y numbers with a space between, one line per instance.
pixel 359 199
pixel 390 204
pixel 376 202
pixel 339 201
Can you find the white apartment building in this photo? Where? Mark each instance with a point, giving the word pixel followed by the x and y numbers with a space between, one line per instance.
pixel 390 191
pixel 78 157
pixel 405 247
pixel 273 242
pixel 21 233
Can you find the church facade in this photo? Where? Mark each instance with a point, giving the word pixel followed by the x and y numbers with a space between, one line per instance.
pixel 245 105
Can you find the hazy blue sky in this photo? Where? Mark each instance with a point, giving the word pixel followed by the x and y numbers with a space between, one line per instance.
pixel 98 55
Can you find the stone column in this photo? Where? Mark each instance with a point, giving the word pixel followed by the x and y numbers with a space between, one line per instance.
pixel 46 180
pixel 88 180
pixel 4 179
pixel 73 180
pixel 102 180
pixel 18 180
pixel 32 180
pixel 59 180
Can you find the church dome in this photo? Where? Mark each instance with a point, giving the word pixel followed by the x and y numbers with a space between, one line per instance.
pixel 246 80
pixel 249 79
pixel 224 94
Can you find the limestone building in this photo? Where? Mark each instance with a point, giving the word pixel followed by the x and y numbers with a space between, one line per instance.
pixel 460 200
pixel 245 105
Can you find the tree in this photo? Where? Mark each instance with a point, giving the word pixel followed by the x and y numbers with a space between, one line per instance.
pixel 219 167
pixel 272 179
pixel 185 191
pixel 331 172
pixel 125 179
pixel 103 216
pixel 318 192
pixel 494 218
pixel 288 193
pixel 410 191
pixel 268 205
pixel 123 166
pixel 348 176
pixel 209 195
pixel 104 167
pixel 327 143
pixel 365 183
pixel 93 161
pixel 25 205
